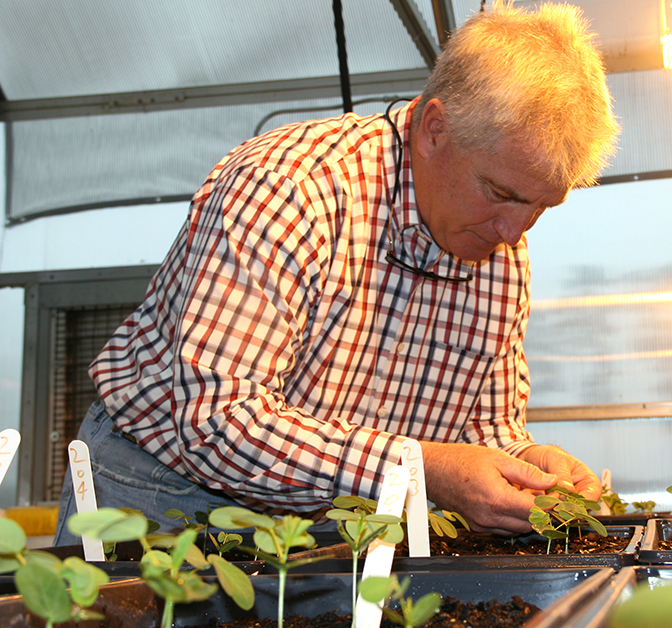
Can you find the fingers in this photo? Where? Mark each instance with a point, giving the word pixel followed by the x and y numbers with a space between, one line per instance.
pixel 572 474
pixel 491 489
pixel 525 475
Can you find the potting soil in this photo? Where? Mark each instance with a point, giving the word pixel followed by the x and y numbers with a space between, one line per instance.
pixel 452 613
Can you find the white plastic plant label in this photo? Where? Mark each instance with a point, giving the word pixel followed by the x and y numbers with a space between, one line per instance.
pixel 380 554
pixel 9 443
pixel 605 511
pixel 416 500
pixel 84 494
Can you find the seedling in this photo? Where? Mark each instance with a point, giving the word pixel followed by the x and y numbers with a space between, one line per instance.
pixel 410 615
pixel 568 510
pixel 646 506
pixel 613 500
pixel 163 570
pixel 225 541
pixel 443 526
pixel 110 548
pixel 359 528
pixel 187 521
pixel 274 537
pixel 57 591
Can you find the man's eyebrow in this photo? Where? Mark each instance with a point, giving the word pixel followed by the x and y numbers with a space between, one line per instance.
pixel 506 190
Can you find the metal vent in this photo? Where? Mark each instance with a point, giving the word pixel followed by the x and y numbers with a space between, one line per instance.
pixel 78 336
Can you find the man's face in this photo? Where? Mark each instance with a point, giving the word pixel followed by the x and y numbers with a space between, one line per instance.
pixel 473 201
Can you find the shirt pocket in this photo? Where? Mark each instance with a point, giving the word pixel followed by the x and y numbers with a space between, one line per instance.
pixel 446 387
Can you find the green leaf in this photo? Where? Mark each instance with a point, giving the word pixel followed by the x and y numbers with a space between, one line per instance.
pixel 184 541
pixel 46 559
pixel 201 517
pixel 234 517
pixel 349 501
pixel 375 518
pixel 162 584
pixel 152 526
pixel 12 537
pixel 393 534
pixel 546 501
pixel 196 558
pixel 539 517
pixel 228 541
pixel 8 565
pixel 596 525
pixel 108 525
pixel 155 562
pixel 554 534
pixel 44 592
pixel 424 609
pixel 645 607
pixel 375 588
pixel 570 507
pixel 456 515
pixel 84 580
pixel 355 529
pixel 234 581
pixel 193 587
pixel 291 532
pixel 174 513
pixel 265 542
pixel 443 527
pixel 339 514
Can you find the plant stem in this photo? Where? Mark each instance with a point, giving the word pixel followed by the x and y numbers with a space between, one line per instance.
pixel 354 585
pixel 281 594
pixel 167 618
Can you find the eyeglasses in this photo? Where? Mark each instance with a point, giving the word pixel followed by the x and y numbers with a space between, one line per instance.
pixel 391 257
pixel 428 274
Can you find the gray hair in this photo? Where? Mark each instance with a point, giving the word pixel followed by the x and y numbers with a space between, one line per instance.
pixel 534 77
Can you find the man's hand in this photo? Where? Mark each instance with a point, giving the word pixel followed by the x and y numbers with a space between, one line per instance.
pixel 492 490
pixel 572 473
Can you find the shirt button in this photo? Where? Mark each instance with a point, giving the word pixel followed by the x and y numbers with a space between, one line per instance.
pixel 401 347
pixel 382 412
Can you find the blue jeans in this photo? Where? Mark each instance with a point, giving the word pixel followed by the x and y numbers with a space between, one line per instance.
pixel 125 475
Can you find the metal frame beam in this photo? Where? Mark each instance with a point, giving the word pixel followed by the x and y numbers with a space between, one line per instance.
pixel 607 411
pixel 212 96
pixel 414 23
pixel 444 16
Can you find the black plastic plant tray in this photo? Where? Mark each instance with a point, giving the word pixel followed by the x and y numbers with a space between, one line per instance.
pixel 657 530
pixel 614 560
pixel 128 566
pixel 631 519
pixel 595 610
pixel 133 604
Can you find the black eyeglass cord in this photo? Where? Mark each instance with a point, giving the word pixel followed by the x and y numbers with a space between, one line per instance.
pixel 391 258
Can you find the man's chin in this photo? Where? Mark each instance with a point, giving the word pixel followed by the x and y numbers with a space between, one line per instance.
pixel 473 256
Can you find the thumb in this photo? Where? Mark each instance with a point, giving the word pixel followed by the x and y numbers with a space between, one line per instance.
pixel 525 474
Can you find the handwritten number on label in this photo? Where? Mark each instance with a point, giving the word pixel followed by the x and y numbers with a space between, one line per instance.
pixel 81 489
pixel 407 450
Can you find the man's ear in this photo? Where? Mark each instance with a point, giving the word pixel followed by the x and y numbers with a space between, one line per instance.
pixel 431 126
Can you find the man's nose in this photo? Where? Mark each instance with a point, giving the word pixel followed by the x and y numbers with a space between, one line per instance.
pixel 511 227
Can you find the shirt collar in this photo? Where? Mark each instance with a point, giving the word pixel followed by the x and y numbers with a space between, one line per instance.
pixel 412 242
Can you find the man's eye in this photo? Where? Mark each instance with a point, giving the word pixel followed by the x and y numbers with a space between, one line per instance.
pixel 499 197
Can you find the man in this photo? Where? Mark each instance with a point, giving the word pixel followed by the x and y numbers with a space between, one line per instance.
pixel 343 284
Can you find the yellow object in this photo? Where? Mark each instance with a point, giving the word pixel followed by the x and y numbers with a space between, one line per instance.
pixel 35 520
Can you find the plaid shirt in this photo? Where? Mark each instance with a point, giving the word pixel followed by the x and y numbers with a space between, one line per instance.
pixel 279 357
